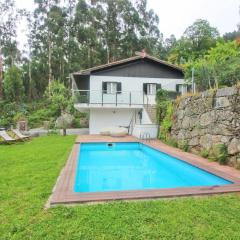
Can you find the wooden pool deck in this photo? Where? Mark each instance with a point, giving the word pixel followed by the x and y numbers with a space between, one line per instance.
pixel 63 191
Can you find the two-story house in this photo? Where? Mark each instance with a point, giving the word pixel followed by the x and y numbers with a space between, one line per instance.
pixel 122 93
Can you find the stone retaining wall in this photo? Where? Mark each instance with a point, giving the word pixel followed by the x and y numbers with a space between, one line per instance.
pixel 208 119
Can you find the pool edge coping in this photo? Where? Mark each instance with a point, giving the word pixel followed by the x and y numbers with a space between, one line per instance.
pixel 63 192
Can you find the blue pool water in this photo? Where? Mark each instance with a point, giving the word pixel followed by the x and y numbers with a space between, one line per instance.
pixel 135 166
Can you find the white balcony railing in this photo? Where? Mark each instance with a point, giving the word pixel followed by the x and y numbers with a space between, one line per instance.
pixel 118 98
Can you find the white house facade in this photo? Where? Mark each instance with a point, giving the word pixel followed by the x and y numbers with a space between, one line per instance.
pixel 123 93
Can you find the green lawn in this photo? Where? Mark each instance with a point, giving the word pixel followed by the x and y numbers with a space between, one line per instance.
pixel 28 172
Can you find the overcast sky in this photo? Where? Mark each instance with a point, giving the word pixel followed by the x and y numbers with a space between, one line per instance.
pixel 176 15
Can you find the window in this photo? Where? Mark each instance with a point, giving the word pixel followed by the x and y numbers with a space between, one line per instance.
pixel 151 89
pixel 112 87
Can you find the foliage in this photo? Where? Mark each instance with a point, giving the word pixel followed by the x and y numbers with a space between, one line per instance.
pixel 162 101
pixel 9 16
pixel 9 110
pixel 26 182
pixel 172 142
pixel 195 42
pixel 166 124
pixel 219 153
pixel 183 144
pixel 230 36
pixel 37 117
pixel 60 97
pixel 219 67
pixel 204 153
pixel 13 84
pixel 35 113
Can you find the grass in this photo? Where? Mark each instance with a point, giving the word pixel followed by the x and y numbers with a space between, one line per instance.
pixel 28 172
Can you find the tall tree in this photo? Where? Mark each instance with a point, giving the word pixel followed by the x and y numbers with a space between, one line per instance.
pixel 195 42
pixel 13 84
pixel 219 67
pixel 9 52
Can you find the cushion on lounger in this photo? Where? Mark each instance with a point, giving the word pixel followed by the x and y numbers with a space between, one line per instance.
pixel 105 131
pixel 118 132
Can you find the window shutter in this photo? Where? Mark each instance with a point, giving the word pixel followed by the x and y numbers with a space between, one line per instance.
pixel 177 87
pixel 119 87
pixel 145 88
pixel 104 87
pixel 159 86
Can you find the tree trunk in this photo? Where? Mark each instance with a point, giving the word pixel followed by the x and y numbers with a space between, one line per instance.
pixel 30 91
pixel 49 51
pixel 64 131
pixel 49 62
pixel 1 77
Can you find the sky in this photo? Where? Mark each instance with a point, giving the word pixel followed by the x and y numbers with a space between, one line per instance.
pixel 175 15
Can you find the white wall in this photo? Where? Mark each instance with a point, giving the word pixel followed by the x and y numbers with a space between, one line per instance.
pixel 129 84
pixel 152 130
pixel 101 118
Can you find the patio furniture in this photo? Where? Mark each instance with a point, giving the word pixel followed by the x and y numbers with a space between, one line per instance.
pixel 118 132
pixel 6 138
pixel 106 131
pixel 19 134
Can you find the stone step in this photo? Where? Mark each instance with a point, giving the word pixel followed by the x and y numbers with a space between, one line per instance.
pixel 152 112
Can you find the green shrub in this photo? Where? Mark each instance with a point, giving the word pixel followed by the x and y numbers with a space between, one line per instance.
pixel 172 142
pixel 166 124
pixel 183 145
pixel 76 123
pixel 162 100
pixel 219 153
pixel 204 153
pixel 36 119
pixel 19 117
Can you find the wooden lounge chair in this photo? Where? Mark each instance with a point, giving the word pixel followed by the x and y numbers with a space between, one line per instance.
pixel 19 134
pixel 6 137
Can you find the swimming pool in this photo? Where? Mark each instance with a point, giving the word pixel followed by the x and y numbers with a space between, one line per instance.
pixel 105 167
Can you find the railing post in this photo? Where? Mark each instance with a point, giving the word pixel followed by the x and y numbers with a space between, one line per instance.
pixel 130 98
pixel 143 98
pixel 116 98
pixel 102 97
pixel 88 97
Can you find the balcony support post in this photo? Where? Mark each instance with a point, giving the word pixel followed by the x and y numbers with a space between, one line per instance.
pixel 102 98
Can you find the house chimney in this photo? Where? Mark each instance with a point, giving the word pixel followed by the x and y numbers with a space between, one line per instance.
pixel 142 54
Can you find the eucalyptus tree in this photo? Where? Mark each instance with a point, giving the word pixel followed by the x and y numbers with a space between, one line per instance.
pixel 9 52
pixel 43 32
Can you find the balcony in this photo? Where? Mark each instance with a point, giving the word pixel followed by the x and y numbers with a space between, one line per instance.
pixel 96 99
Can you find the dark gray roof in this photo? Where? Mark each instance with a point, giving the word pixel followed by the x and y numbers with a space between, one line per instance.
pixel 125 61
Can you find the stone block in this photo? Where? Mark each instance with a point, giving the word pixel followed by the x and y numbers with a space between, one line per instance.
pixel 222 102
pixel 207 118
pixel 234 146
pixel 227 91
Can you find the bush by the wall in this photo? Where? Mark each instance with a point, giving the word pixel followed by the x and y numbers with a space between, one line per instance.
pixel 219 153
pixel 183 145
pixel 166 124
pixel 204 153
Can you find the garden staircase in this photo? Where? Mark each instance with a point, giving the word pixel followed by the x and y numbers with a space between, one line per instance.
pixel 152 112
